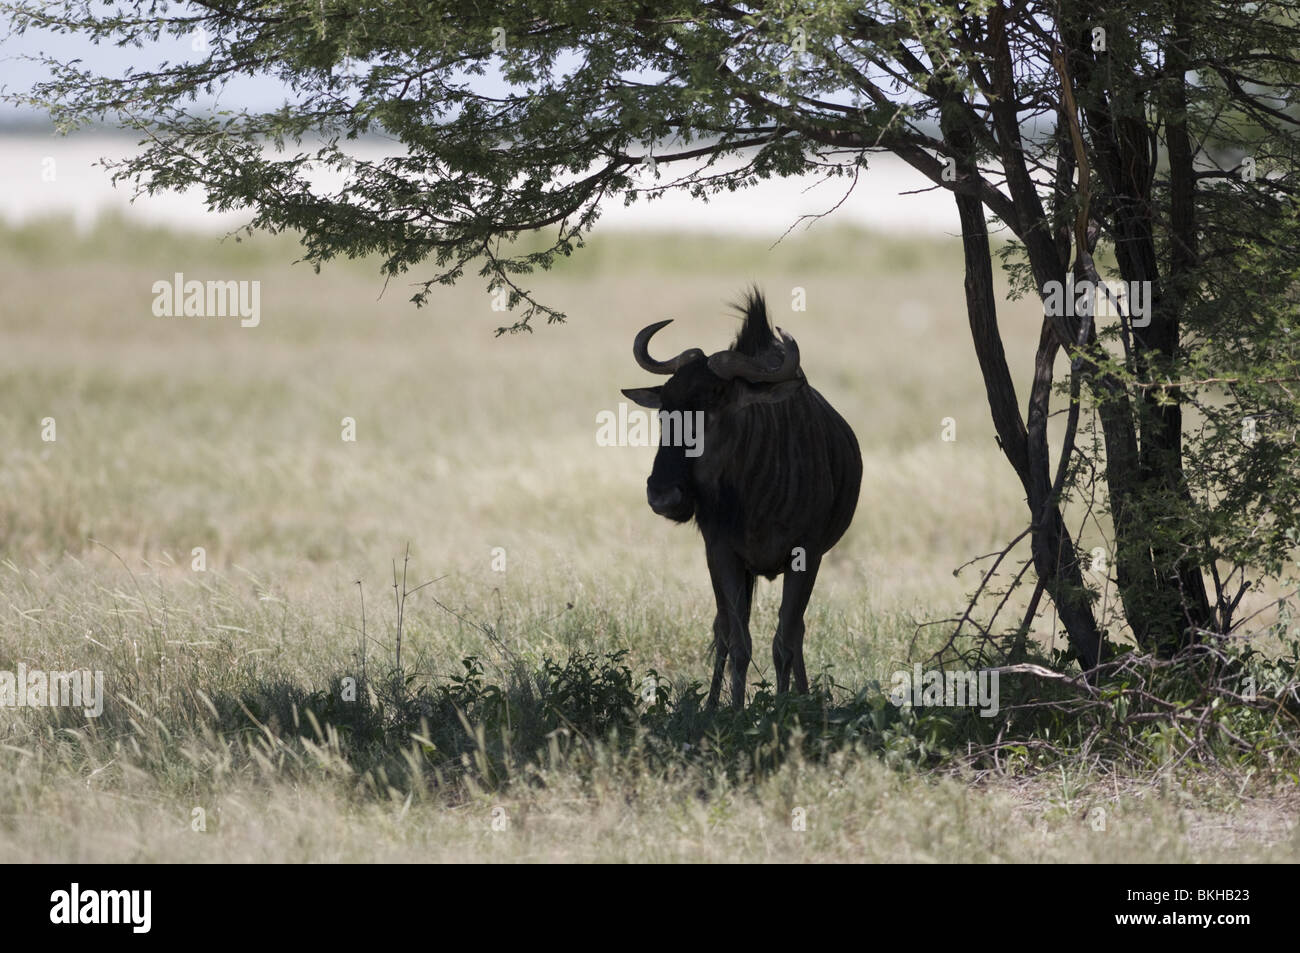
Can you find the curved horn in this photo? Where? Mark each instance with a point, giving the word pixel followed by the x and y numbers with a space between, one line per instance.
pixel 648 363
pixel 729 364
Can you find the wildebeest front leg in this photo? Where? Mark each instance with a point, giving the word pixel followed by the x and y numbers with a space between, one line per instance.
pixel 787 646
pixel 733 589
pixel 721 640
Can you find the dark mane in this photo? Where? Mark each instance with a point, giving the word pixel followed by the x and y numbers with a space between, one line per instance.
pixel 755 335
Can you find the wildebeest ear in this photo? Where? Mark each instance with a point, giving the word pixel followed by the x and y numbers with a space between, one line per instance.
pixel 767 393
pixel 645 396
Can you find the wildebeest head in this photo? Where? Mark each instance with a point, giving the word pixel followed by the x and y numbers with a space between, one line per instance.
pixel 757 368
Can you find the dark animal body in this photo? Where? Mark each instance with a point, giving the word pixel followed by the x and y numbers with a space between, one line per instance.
pixel 772 488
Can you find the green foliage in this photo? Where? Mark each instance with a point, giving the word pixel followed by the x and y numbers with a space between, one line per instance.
pixel 510 120
pixel 1211 709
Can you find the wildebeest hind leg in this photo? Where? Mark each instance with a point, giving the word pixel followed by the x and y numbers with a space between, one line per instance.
pixel 787 646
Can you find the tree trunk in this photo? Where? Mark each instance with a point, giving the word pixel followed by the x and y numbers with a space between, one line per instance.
pixel 1163 591
pixel 1055 557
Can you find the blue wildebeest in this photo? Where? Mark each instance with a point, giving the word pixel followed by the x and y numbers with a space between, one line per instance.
pixel 772 487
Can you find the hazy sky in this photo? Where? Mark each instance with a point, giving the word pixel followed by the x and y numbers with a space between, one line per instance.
pixel 18 74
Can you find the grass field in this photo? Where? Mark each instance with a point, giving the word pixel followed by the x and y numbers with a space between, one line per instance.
pixel 216 742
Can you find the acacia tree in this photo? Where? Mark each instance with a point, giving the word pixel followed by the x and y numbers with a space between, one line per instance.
pixel 1160 136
